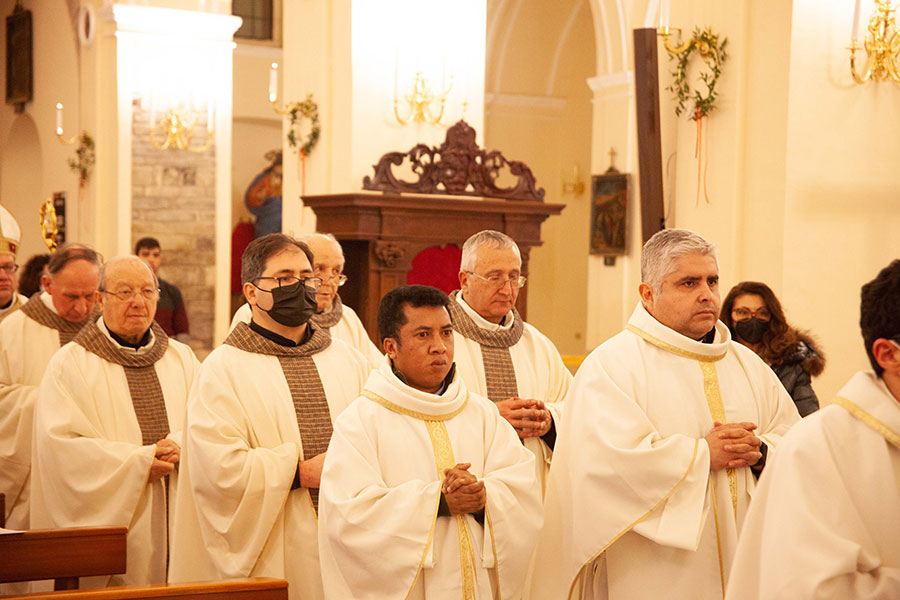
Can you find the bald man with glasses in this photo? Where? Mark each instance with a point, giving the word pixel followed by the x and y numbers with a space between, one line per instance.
pixel 500 356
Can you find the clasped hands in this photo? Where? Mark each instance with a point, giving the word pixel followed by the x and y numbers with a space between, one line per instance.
pixel 733 445
pixel 463 491
pixel 529 417
pixel 168 453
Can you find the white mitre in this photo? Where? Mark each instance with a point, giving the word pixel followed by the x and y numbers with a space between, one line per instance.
pixel 10 234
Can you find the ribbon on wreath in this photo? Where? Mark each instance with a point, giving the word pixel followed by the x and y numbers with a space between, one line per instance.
pixel 702 164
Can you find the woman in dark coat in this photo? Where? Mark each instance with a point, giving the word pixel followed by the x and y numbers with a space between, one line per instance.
pixel 755 317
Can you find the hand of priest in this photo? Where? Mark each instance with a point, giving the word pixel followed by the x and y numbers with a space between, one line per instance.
pixel 468 498
pixel 456 477
pixel 527 416
pixel 159 469
pixel 311 471
pixel 168 451
pixel 732 446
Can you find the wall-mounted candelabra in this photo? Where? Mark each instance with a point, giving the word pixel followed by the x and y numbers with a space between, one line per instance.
pixel 881 45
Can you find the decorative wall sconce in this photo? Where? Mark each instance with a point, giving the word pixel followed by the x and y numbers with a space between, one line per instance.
pixel 882 45
pixel 179 129
pixel 420 98
pixel 59 127
pixel 576 186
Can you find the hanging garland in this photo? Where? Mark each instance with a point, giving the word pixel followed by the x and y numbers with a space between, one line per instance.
pixel 714 55
pixel 297 111
pixel 84 158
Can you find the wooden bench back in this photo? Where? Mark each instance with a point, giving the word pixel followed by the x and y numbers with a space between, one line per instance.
pixel 257 588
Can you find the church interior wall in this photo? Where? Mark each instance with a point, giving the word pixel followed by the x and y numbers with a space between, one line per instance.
pixel 538 110
pixel 32 161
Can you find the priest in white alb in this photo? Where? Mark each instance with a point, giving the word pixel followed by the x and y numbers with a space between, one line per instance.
pixel 108 425
pixel 500 356
pixel 825 519
pixel 10 236
pixel 668 425
pixel 426 492
pixel 259 422
pixel 340 320
pixel 28 340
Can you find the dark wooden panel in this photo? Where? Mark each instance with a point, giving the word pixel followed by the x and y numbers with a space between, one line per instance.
pixel 646 91
pixel 62 553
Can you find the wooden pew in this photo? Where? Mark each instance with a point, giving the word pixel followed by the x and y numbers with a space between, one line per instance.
pixel 62 554
pixel 257 588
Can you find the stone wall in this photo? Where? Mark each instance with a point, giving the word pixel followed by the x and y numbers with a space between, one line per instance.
pixel 173 200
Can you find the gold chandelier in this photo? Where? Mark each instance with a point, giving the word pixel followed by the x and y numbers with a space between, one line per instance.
pixel 420 98
pixel 178 131
pixel 882 46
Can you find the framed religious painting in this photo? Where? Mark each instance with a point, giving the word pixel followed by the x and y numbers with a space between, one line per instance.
pixel 19 58
pixel 609 213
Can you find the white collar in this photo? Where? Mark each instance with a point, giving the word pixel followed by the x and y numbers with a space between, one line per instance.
pixel 384 388
pixel 48 302
pixel 138 351
pixel 645 325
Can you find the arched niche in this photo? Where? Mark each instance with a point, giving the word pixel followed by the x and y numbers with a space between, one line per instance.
pixel 21 176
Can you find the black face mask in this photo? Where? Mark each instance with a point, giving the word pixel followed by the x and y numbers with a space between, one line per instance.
pixel 292 305
pixel 751 330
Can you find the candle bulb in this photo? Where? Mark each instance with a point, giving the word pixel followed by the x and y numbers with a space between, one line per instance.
pixel 273 83
pixel 59 127
pixel 855 30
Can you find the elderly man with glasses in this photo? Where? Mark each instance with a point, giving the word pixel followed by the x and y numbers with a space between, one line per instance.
pixel 500 356
pixel 259 422
pixel 108 424
pixel 340 320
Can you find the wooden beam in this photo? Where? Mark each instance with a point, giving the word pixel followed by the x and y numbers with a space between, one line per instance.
pixel 62 554
pixel 255 588
pixel 646 93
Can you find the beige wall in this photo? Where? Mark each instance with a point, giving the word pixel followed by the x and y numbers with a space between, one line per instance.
pixel 538 110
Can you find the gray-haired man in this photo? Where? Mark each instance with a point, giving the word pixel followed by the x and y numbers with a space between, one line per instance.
pixel 500 356
pixel 667 425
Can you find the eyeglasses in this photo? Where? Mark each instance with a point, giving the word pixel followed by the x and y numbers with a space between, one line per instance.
pixel 498 281
pixel 127 295
pixel 341 278
pixel 9 269
pixel 311 283
pixel 742 314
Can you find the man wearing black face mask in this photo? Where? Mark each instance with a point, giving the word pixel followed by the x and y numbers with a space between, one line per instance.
pixel 258 424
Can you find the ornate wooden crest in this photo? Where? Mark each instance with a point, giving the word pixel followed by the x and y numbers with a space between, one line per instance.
pixel 458 167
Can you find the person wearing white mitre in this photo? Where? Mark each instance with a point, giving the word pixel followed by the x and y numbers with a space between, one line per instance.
pixel 259 421
pixel 825 519
pixel 340 320
pixel 10 237
pixel 668 425
pixel 426 491
pixel 499 355
pixel 108 425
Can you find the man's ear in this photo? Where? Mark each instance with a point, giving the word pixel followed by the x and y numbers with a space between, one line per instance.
pixel 647 296
pixel 391 346
pixel 98 299
pixel 46 282
pixel 887 355
pixel 463 282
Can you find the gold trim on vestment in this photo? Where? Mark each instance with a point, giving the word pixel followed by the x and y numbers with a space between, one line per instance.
pixel 715 507
pixel 411 413
pixel 768 442
pixel 490 523
pixel 638 520
pixel 443 458
pixel 717 411
pixel 860 413
pixel 672 348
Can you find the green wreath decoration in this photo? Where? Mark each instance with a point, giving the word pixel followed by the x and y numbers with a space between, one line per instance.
pixel 84 158
pixel 310 110
pixel 713 53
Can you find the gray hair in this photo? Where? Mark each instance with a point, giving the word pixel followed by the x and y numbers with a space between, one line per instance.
pixel 71 252
pixel 490 238
pixel 105 267
pixel 664 248
pixel 321 236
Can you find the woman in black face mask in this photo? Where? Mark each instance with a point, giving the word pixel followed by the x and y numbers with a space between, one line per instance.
pixel 755 317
